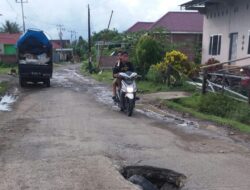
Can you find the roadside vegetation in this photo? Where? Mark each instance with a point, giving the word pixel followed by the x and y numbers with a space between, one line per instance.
pixel 3 87
pixel 214 107
pixel 144 86
pixel 164 68
pixel 10 27
pixel 6 68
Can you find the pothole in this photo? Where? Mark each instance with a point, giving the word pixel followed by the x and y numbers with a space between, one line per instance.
pixel 152 178
pixel 6 102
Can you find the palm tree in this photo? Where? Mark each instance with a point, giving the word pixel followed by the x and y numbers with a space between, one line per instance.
pixel 10 27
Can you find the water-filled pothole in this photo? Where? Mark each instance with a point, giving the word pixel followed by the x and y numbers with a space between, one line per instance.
pixel 152 178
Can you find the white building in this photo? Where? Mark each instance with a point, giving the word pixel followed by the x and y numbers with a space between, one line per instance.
pixel 226 29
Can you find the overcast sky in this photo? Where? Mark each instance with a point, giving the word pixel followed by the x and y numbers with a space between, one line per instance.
pixel 72 14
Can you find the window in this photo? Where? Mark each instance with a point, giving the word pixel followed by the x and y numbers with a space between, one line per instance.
pixel 215 45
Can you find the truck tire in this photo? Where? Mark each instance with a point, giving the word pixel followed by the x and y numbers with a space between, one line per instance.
pixel 22 82
pixel 47 82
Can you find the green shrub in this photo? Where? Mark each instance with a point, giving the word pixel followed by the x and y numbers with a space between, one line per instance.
pixel 224 106
pixel 241 113
pixel 154 75
pixel 148 52
pixel 215 104
pixel 179 68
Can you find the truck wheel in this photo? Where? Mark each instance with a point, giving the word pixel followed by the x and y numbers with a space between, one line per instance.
pixel 22 82
pixel 47 82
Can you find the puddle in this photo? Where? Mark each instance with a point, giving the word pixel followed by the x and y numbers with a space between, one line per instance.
pixel 170 118
pixel 152 178
pixel 69 78
pixel 6 102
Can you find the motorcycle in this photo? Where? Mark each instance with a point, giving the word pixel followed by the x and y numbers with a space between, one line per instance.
pixel 126 94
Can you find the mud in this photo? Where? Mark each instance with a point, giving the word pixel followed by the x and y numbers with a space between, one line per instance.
pixel 71 136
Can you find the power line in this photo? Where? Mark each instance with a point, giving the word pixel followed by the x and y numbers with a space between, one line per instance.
pixel 10 5
pixel 72 34
pixel 22 2
pixel 60 29
pixel 13 9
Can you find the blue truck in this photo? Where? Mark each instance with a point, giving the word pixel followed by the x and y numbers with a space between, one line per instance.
pixel 34 54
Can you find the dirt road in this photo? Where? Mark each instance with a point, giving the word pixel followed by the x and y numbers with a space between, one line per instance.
pixel 70 137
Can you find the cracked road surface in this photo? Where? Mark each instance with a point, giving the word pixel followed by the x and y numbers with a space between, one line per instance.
pixel 70 137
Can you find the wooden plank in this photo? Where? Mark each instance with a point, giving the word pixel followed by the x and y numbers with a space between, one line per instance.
pixel 204 82
pixel 241 59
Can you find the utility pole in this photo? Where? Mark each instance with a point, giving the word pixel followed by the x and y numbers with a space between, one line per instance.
pixel 110 19
pixel 89 42
pixel 22 2
pixel 104 41
pixel 60 29
pixel 72 34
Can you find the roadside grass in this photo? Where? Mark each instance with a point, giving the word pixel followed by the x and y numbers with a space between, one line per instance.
pixel 3 87
pixel 104 76
pixel 142 85
pixel 194 105
pixel 236 114
pixel 5 68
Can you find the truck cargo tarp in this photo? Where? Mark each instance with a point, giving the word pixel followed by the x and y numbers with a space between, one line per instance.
pixel 34 42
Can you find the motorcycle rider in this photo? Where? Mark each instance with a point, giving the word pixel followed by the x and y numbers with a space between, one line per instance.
pixel 123 65
pixel 117 64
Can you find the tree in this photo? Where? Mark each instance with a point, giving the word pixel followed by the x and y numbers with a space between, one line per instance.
pixel 106 35
pixel 148 52
pixel 10 27
pixel 80 47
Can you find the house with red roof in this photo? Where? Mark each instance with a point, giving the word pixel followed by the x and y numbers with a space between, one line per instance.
pixel 226 29
pixel 184 29
pixel 140 26
pixel 7 47
pixel 7 43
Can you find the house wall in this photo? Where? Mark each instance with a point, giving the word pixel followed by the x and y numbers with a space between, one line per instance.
pixel 224 19
pixel 9 49
pixel 8 59
pixel 1 49
pixel 187 43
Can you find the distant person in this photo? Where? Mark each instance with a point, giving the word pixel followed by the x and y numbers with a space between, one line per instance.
pixel 123 65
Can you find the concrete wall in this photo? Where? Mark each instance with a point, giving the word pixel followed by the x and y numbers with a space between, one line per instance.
pixel 224 19
pixel 8 59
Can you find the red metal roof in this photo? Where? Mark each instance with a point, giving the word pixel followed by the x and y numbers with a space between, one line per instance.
pixel 56 45
pixel 140 26
pixel 181 22
pixel 190 22
pixel 6 38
